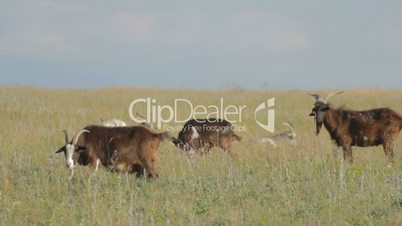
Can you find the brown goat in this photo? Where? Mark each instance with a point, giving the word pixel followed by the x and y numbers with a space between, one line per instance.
pixel 132 149
pixel 349 128
pixel 200 134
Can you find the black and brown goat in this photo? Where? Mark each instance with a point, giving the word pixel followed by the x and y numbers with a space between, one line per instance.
pixel 349 128
pixel 131 149
pixel 198 134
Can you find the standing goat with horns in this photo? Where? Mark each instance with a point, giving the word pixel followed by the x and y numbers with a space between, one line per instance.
pixel 349 128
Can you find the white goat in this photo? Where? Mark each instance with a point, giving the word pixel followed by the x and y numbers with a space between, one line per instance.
pixel 113 123
pixel 289 136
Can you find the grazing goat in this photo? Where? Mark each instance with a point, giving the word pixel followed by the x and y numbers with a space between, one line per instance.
pixel 349 128
pixel 132 149
pixel 198 134
pixel 113 123
pixel 289 136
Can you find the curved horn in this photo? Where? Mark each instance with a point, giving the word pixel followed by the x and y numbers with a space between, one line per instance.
pixel 145 123
pixel 289 125
pixel 75 140
pixel 330 95
pixel 65 136
pixel 140 116
pixel 316 96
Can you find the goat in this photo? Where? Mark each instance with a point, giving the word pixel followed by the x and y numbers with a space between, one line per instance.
pixel 131 149
pixel 349 128
pixel 200 134
pixel 289 136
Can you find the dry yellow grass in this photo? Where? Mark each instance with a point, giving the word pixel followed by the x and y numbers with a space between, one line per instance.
pixel 263 186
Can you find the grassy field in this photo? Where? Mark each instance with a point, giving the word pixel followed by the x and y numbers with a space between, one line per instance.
pixel 289 185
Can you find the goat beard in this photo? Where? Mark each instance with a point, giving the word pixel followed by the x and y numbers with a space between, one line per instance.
pixel 318 126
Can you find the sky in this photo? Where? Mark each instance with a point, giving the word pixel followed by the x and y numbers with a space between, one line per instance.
pixel 255 44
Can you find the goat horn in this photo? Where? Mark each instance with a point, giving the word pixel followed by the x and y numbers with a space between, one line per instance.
pixel 75 140
pixel 65 136
pixel 289 125
pixel 330 95
pixel 316 96
pixel 140 116
pixel 147 124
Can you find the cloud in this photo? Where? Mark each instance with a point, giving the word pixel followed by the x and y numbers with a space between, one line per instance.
pixel 134 27
pixel 296 41
pixel 246 42
pixel 32 43
pixel 67 29
pixel 58 7
pixel 255 29
pixel 235 30
pixel 394 36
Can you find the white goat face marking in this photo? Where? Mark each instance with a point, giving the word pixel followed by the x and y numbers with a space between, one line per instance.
pixel 195 135
pixel 69 155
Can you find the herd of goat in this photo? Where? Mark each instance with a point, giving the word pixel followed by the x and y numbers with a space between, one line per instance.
pixel 134 149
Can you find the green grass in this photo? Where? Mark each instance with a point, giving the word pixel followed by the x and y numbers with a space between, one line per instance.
pixel 302 185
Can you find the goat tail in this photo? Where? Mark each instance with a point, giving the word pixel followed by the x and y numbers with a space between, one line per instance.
pixel 164 136
pixel 238 138
pixel 399 118
pixel 400 121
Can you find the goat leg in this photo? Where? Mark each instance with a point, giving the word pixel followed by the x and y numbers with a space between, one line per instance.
pixel 347 153
pixel 389 152
pixel 71 174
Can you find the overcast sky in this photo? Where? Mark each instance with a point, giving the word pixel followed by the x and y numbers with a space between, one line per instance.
pixel 201 44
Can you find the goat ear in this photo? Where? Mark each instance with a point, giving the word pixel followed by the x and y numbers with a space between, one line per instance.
pixel 79 147
pixel 62 149
pixel 174 141
pixel 311 114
